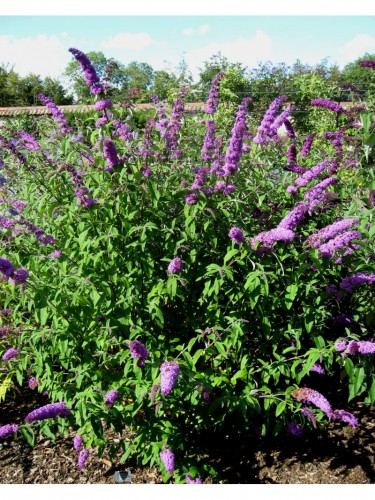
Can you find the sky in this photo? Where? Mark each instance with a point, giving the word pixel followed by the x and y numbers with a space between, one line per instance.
pixel 39 43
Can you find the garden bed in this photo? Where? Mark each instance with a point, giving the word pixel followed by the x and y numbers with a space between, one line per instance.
pixel 338 454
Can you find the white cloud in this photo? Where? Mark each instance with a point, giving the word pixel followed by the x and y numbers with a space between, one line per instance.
pixel 43 55
pixel 356 47
pixel 130 41
pixel 187 31
pixel 244 50
pixel 203 29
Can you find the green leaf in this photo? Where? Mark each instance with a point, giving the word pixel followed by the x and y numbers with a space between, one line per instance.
pixel 28 434
pixel 280 408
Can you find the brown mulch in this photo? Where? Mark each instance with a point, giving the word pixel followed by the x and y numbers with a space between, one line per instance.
pixel 337 454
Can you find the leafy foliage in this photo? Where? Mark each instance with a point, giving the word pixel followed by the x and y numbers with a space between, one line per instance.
pixel 245 324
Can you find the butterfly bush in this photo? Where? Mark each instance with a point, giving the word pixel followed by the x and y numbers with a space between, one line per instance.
pixel 132 297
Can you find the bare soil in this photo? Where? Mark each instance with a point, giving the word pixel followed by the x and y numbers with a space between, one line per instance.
pixel 337 454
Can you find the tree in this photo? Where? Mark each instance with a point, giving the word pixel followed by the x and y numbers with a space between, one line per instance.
pixel 361 81
pixel 140 75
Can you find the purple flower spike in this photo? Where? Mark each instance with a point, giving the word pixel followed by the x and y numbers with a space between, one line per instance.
pixel 327 104
pixel 366 347
pixel 175 266
pixel 20 276
pixel 48 411
pixel 110 153
pixel 103 104
pixel 6 267
pixel 340 345
pixel 167 457
pixel 33 383
pixel 345 416
pixel 234 150
pixel 169 371
pixel 111 398
pixel 236 235
pixel 77 442
pixel 197 480
pixel 317 368
pixel 10 354
pixel 357 279
pixel 367 64
pixel 8 430
pixel 82 457
pixel 138 350
pixel 306 395
pixel 213 98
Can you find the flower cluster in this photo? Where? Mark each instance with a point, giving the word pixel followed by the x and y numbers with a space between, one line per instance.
pixel 110 154
pixel 77 442
pixel 268 238
pixel 310 174
pixel 234 151
pixel 309 414
pixel 33 383
pixel 327 104
pixel 307 145
pixel 56 113
pixel 265 131
pixel 29 141
pixel 82 458
pixel 88 69
pixel 138 350
pixel 167 457
pixel 306 395
pixel 345 416
pixel 111 398
pixel 357 279
pixel 236 235
pixel 294 217
pixel 355 347
pixel 169 372
pixel 10 354
pixel 213 98
pixel 327 250
pixel 175 266
pixel 15 276
pixel 315 192
pixel 367 64
pixel 209 141
pixel 197 480
pixel 48 411
pixel 8 430
pixel 103 104
pixel 328 232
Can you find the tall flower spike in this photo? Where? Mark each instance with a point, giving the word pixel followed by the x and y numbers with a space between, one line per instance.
pixel 138 350
pixel 111 398
pixel 8 430
pixel 213 98
pixel 327 104
pixel 169 371
pixel 82 457
pixel 48 411
pixel 175 266
pixel 88 69
pixel 77 442
pixel 234 151
pixel 167 457
pixel 306 395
